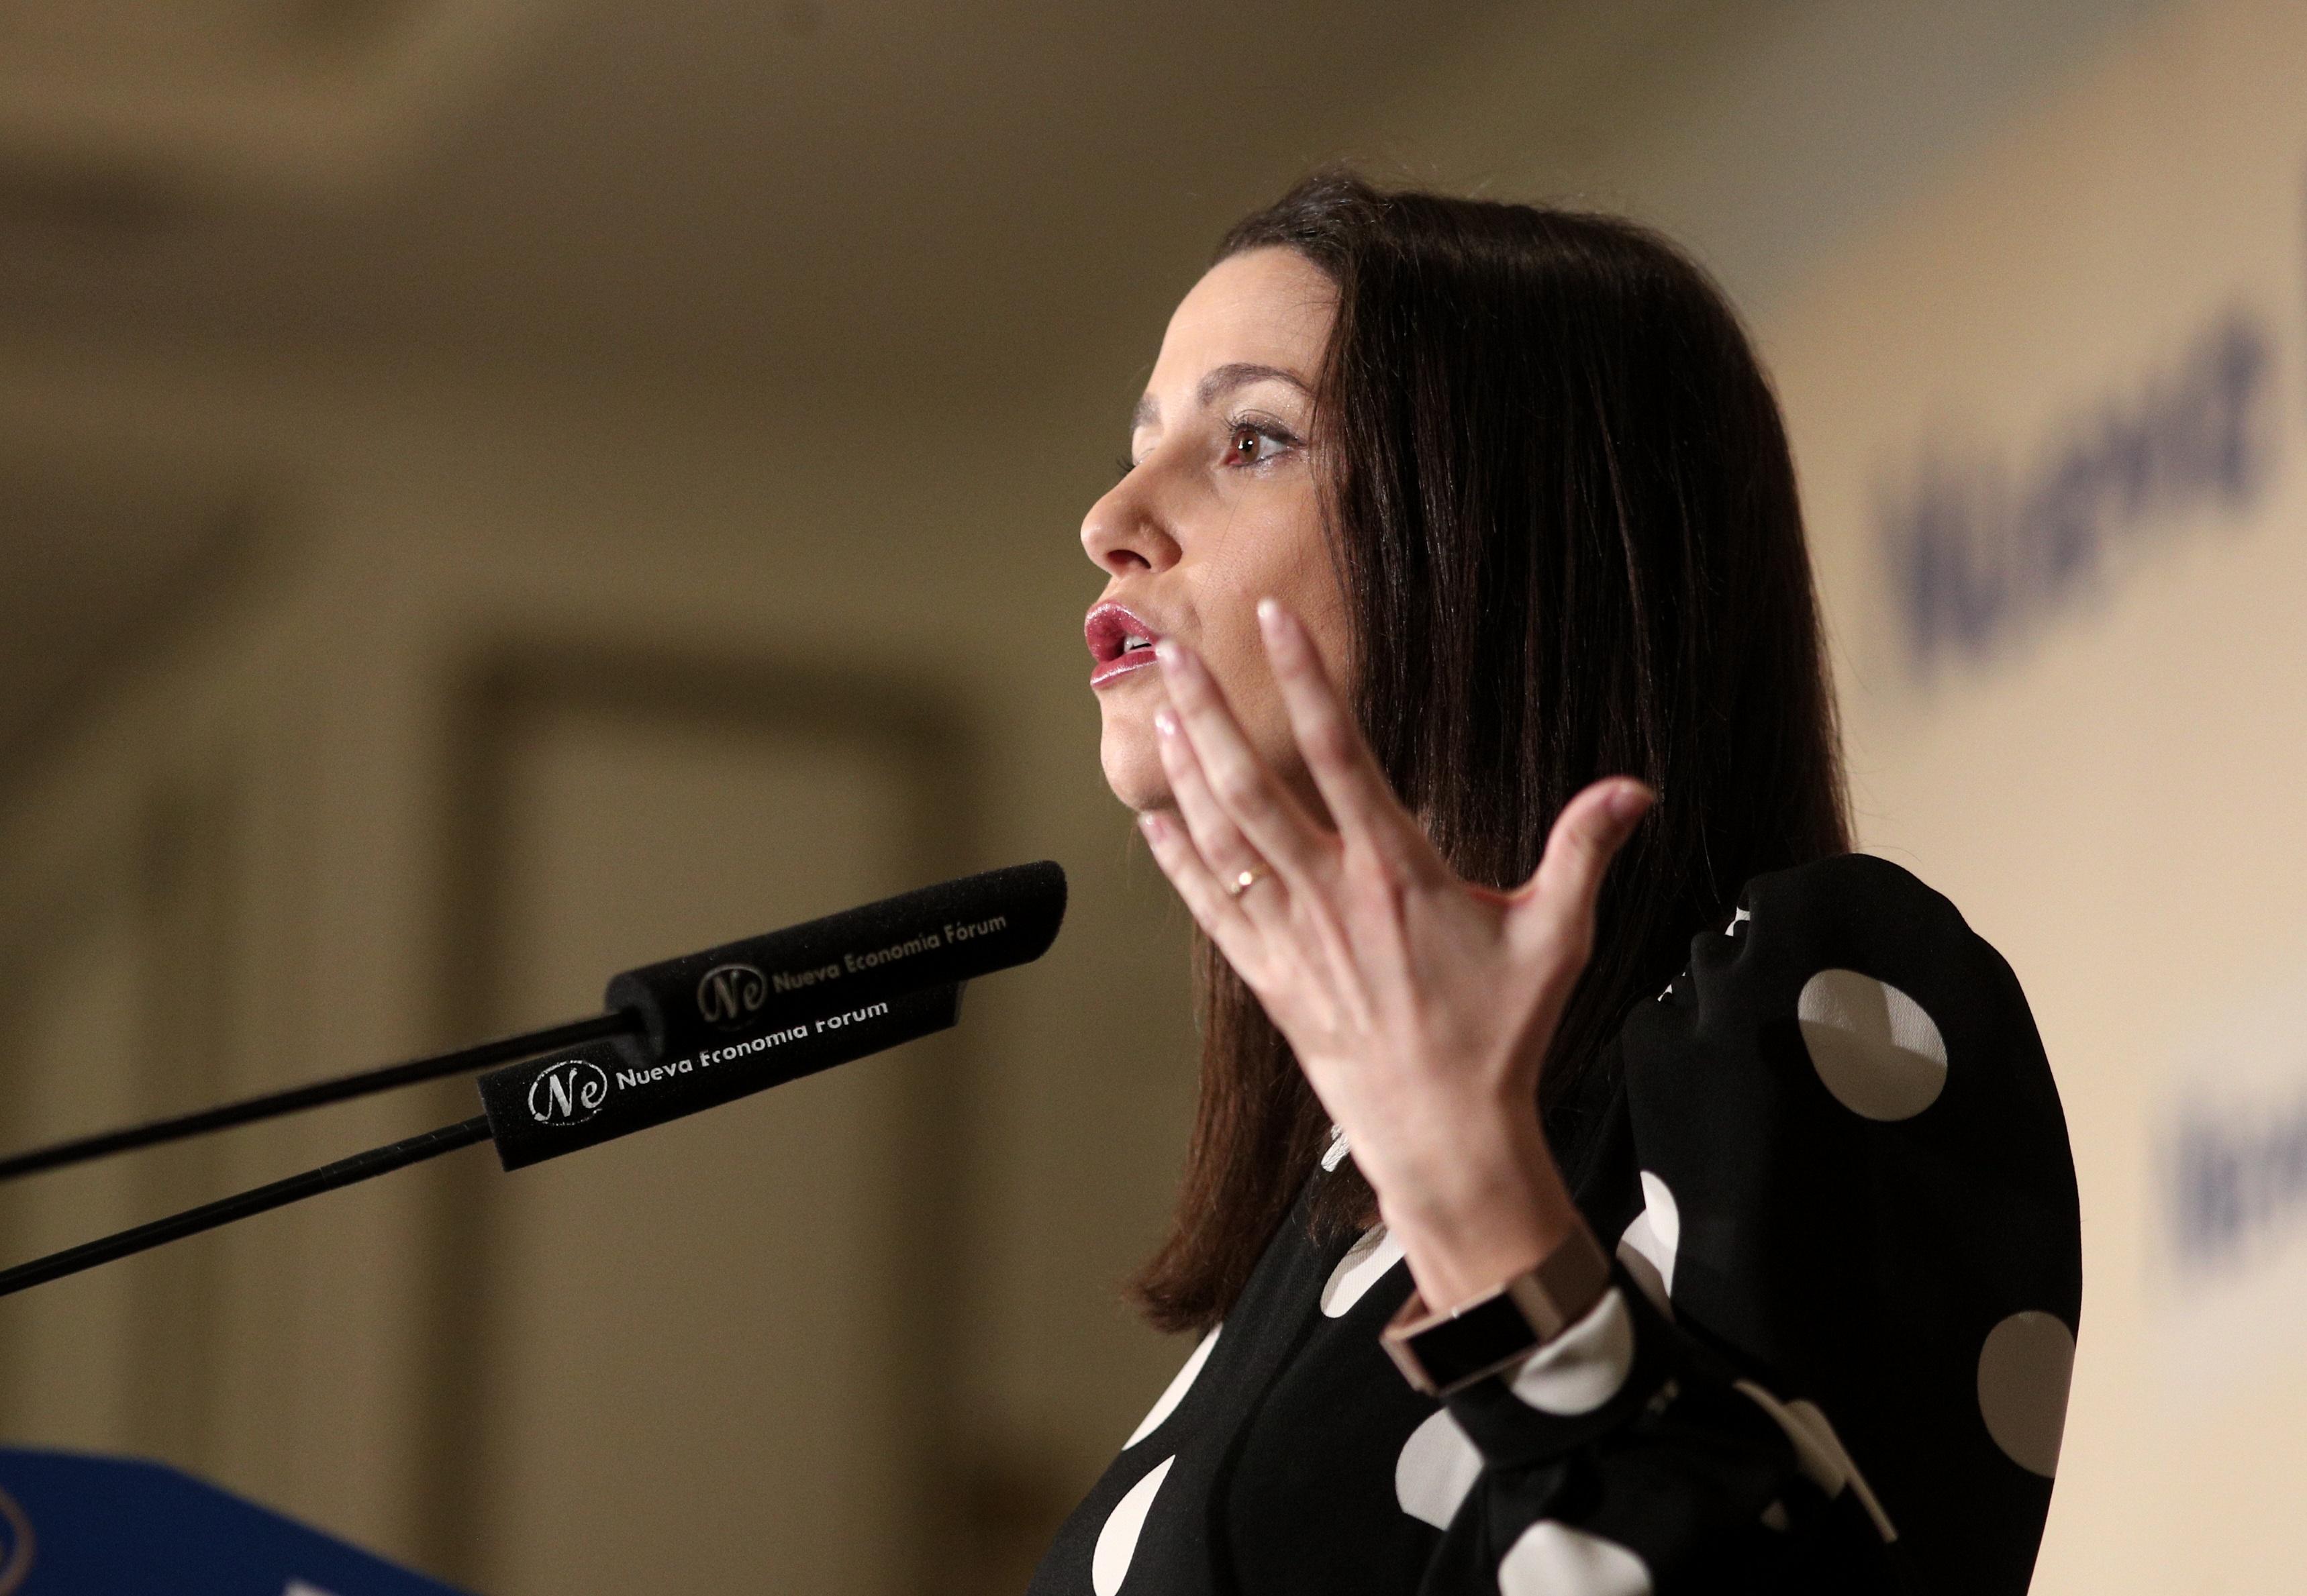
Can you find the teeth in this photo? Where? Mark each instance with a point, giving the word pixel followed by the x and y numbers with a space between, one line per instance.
pixel 1131 645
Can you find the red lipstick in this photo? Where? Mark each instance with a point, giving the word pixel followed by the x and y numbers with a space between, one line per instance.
pixel 1118 641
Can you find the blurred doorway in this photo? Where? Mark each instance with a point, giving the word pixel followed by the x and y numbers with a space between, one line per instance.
pixel 712 1356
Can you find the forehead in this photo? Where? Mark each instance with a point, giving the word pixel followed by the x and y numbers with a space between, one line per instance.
pixel 1261 307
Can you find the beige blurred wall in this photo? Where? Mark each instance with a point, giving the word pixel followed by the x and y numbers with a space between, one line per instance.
pixel 261 814
pixel 2050 425
pixel 413 526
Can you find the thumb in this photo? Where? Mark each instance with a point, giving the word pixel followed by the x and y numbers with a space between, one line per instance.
pixel 1556 905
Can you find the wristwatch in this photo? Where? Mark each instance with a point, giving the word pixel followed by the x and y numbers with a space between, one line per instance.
pixel 1442 1352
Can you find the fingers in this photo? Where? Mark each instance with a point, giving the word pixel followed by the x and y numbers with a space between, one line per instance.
pixel 1556 905
pixel 1214 909
pixel 1216 840
pixel 1337 756
pixel 1240 817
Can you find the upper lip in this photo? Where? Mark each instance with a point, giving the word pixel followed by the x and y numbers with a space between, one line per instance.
pixel 1109 628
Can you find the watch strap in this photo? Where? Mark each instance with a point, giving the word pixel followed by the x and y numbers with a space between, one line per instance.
pixel 1439 1354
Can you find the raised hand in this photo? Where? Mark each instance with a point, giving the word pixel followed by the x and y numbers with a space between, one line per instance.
pixel 1418 1004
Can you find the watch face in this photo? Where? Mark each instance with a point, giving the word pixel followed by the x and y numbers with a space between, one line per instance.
pixel 1478 1340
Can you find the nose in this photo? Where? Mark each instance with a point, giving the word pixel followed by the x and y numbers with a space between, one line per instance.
pixel 1125 531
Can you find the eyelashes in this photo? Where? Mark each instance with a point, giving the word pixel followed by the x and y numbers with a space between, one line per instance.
pixel 1265 427
pixel 1273 432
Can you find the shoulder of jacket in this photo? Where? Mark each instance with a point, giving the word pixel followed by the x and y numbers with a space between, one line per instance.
pixel 1850 877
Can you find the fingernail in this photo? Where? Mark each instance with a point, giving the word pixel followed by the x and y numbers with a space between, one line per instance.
pixel 1280 626
pixel 1166 723
pixel 1176 657
pixel 1150 823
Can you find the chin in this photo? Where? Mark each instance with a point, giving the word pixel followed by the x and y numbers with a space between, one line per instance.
pixel 1133 766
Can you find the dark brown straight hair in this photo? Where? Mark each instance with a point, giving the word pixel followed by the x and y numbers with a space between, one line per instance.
pixel 1557 487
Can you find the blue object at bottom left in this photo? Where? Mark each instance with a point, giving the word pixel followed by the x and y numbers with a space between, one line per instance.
pixel 75 1525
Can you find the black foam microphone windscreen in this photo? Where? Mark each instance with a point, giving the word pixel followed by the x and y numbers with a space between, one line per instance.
pixel 936 936
pixel 547 1107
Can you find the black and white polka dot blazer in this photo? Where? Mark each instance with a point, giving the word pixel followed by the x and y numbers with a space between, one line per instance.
pixel 1835 1359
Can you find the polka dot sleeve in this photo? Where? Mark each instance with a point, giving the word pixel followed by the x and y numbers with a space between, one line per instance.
pixel 1836 1353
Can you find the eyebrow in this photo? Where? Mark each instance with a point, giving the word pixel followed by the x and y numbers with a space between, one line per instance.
pixel 1221 379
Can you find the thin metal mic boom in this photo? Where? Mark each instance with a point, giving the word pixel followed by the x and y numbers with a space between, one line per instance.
pixel 345 1171
pixel 248 1110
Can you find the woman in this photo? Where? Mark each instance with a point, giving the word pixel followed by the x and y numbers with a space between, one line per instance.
pixel 1685 1206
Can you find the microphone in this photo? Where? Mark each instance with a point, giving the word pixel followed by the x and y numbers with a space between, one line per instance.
pixel 541 1110
pixel 705 1003
pixel 1027 901
pixel 682 1036
pixel 746 1016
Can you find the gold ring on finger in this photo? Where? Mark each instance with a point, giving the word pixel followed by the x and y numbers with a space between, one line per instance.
pixel 1246 880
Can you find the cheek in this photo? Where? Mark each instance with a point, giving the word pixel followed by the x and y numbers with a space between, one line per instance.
pixel 1288 561
pixel 1237 660
pixel 1297 569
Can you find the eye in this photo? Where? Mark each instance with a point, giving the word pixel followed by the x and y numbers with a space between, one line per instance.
pixel 1254 444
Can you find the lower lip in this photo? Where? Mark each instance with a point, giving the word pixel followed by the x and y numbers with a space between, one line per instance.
pixel 1120 666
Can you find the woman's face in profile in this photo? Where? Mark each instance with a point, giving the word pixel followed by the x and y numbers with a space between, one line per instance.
pixel 1218 509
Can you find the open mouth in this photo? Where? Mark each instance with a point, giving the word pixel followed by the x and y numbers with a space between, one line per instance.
pixel 1118 641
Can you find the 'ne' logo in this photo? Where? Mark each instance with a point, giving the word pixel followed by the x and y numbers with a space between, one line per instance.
pixel 727 994
pixel 567 1093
